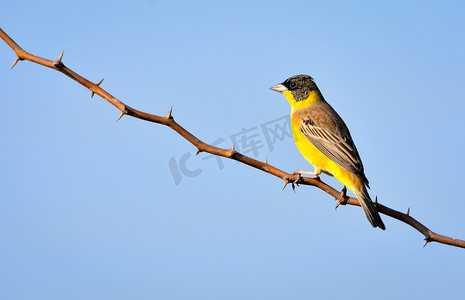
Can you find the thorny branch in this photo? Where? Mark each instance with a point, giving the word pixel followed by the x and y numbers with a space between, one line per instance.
pixel 95 88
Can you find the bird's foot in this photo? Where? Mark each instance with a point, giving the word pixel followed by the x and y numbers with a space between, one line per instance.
pixel 315 173
pixel 342 197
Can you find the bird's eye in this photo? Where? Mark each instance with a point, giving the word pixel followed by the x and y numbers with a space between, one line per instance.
pixel 293 85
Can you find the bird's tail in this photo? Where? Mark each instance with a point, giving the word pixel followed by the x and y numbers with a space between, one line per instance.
pixel 369 207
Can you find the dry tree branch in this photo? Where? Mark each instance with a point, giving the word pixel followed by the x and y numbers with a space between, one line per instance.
pixel 95 88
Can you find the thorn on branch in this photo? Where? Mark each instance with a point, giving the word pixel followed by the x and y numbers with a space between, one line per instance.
pixel 169 116
pixel 427 240
pixel 16 61
pixel 198 151
pixel 59 64
pixel 123 112
pixel 408 211
pixel 98 84
pixel 342 197
pixel 286 181
pixel 233 151
pixel 266 161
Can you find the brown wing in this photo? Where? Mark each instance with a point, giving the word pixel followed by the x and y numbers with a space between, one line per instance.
pixel 331 136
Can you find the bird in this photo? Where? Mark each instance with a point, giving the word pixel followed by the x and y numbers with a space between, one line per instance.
pixel 324 140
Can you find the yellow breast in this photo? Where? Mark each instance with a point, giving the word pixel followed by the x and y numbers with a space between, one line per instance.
pixel 317 159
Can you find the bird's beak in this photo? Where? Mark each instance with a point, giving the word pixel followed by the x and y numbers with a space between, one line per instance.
pixel 279 88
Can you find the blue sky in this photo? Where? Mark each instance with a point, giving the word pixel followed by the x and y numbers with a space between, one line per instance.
pixel 91 208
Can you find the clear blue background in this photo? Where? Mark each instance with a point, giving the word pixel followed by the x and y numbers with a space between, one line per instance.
pixel 89 207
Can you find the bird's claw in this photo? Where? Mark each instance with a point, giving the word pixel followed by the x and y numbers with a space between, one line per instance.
pixel 294 182
pixel 342 197
pixel 299 174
